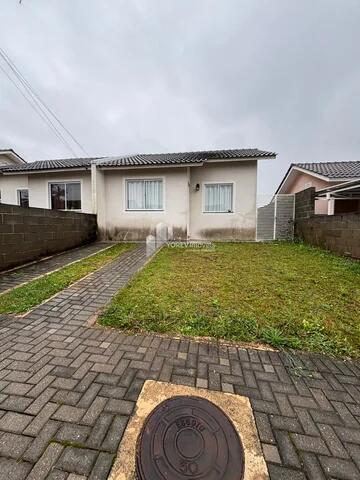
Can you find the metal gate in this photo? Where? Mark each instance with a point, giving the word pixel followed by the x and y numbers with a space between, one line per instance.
pixel 275 221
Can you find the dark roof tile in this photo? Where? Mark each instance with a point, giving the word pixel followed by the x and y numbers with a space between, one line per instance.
pixel 333 169
pixel 141 160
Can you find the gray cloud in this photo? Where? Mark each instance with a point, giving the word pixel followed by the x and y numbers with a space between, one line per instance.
pixel 138 76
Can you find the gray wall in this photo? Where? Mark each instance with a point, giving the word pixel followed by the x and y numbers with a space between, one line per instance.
pixel 338 233
pixel 275 221
pixel 26 234
pixel 305 203
pixel 284 222
pixel 265 222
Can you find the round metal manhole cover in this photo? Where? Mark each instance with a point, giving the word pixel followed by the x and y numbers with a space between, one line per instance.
pixel 189 437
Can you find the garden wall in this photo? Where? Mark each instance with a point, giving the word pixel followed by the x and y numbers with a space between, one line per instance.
pixel 337 233
pixel 26 234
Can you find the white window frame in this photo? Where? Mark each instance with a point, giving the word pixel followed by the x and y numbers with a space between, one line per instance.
pixel 18 190
pixel 232 200
pixel 143 179
pixel 53 182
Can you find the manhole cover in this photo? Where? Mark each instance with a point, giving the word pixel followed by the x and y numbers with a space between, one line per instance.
pixel 189 437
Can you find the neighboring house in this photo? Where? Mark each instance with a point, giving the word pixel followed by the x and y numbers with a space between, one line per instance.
pixel 322 175
pixel 8 158
pixel 198 195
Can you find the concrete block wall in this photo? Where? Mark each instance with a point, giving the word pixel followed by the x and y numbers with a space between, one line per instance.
pixel 305 203
pixel 27 234
pixel 338 233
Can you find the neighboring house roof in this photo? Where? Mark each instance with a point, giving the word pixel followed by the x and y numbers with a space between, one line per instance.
pixel 184 158
pixel 328 171
pixel 15 156
pixel 333 169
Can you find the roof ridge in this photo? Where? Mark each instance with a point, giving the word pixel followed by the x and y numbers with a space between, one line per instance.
pixel 327 163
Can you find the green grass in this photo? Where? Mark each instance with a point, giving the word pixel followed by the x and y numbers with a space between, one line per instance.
pixel 25 297
pixel 286 295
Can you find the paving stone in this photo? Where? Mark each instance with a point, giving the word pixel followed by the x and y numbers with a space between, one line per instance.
pixel 280 473
pixel 94 410
pixel 113 392
pixel 66 413
pixel 264 427
pixel 77 460
pixel 13 445
pixel 45 463
pixel 73 433
pixel 14 422
pixel 332 441
pixel 13 469
pixel 42 440
pixel 42 417
pixel 271 453
pixel 114 434
pixel 310 444
pixel 57 475
pixel 15 403
pixel 286 448
pixel 227 388
pixel 16 388
pixel 339 468
pixel 121 407
pixel 102 466
pixel 312 467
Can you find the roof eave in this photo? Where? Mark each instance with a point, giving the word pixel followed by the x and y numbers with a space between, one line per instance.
pixel 295 167
pixel 48 170
pixel 14 155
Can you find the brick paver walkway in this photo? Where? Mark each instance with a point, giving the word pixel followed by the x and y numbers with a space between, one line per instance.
pixel 14 278
pixel 67 390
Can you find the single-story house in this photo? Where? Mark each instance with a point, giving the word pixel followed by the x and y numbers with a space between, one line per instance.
pixel 322 175
pixel 198 195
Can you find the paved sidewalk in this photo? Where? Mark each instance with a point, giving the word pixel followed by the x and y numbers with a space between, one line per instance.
pixel 67 390
pixel 16 277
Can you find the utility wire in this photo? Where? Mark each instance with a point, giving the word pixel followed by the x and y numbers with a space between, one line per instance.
pixel 39 112
pixel 29 87
pixel 40 103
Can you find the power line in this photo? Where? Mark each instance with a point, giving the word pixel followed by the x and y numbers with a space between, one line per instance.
pixel 29 87
pixel 39 112
pixel 40 104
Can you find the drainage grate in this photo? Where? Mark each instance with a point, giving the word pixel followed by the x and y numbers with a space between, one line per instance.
pixel 189 437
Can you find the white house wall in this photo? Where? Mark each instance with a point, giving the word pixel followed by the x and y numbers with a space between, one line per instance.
pixel 121 224
pixel 240 225
pixel 9 186
pixel 39 188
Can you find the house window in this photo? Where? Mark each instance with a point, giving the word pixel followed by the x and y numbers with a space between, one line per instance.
pixel 65 196
pixel 23 197
pixel 144 195
pixel 218 198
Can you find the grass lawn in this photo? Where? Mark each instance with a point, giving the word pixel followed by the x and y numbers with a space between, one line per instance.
pixel 285 295
pixel 25 297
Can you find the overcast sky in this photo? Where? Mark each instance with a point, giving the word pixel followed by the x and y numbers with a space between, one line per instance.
pixel 141 76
